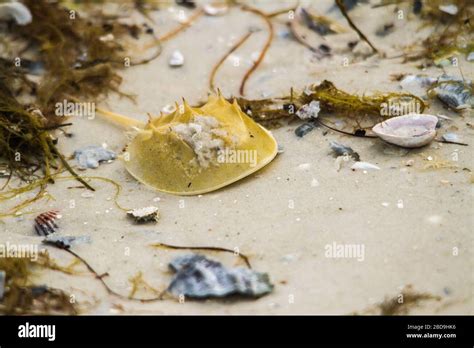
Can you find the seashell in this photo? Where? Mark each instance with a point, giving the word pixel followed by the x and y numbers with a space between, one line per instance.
pixel 412 130
pixel 451 137
pixel 91 156
pixel 143 215
pixel 417 84
pixel 449 9
pixel 197 150
pixel 45 223
pixel 176 59
pixel 304 129
pixel 364 166
pixel 17 11
pixel 455 93
pixel 342 150
pixel 215 9
pixel 309 111
pixel 199 277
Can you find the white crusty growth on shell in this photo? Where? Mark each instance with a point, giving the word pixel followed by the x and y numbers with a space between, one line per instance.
pixel 16 11
pixel 412 130
pixel 204 136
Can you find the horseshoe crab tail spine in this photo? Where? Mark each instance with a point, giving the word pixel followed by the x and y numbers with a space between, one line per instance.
pixel 119 120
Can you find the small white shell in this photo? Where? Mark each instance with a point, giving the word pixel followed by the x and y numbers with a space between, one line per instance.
pixel 215 9
pixel 412 130
pixel 364 166
pixel 451 137
pixel 176 59
pixel 142 215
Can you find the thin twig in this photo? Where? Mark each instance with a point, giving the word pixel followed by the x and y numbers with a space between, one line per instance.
pixel 450 142
pixel 341 6
pixel 211 248
pixel 217 66
pixel 264 50
pixel 344 132
pixel 68 167
pixel 104 284
pixel 182 27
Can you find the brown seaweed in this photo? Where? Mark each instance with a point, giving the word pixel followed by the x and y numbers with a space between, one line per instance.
pixel 364 111
pixel 24 297
pixel 264 49
pixel 343 9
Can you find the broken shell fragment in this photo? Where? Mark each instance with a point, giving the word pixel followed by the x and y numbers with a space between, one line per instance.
pixel 17 11
pixel 451 137
pixel 91 156
pixel 343 150
pixel 309 111
pixel 197 150
pixel 45 223
pixel 199 277
pixel 364 166
pixel 304 129
pixel 143 215
pixel 456 94
pixel 176 59
pixel 215 9
pixel 412 130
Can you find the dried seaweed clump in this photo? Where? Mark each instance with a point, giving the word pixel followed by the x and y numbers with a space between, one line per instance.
pixel 73 57
pixel 333 101
pixel 80 56
pixel 23 297
pixel 25 142
pixel 402 303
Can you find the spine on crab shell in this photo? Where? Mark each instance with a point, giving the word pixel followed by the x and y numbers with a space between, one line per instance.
pixel 122 121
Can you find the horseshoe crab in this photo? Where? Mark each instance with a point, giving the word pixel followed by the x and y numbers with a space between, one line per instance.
pixel 196 150
pixel 412 130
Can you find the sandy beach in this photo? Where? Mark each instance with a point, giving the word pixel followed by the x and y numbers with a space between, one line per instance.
pixel 412 223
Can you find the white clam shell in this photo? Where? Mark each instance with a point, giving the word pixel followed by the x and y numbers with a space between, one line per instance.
pixel 412 130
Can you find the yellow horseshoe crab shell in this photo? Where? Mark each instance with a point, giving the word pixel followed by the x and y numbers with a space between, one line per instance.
pixel 197 150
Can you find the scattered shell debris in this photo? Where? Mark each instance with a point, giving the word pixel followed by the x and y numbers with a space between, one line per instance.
pixel 92 156
pixel 144 215
pixel 199 277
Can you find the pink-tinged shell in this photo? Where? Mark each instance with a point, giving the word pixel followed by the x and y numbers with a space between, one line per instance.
pixel 45 223
pixel 412 130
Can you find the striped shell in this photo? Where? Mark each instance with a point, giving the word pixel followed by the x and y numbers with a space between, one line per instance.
pixel 45 223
